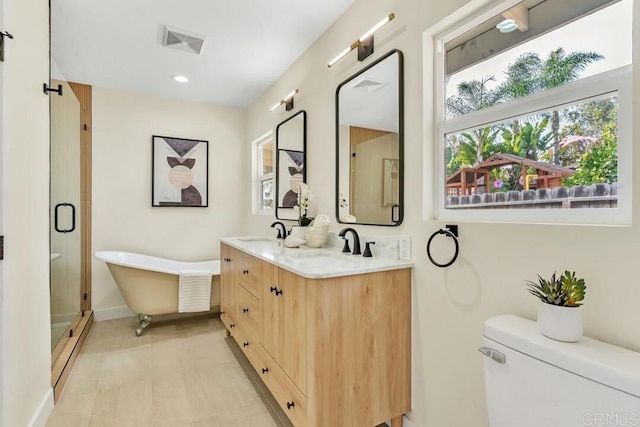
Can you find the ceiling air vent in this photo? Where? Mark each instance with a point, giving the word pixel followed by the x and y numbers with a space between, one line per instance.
pixel 182 40
pixel 367 84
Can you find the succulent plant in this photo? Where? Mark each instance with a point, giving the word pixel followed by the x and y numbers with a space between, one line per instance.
pixel 566 290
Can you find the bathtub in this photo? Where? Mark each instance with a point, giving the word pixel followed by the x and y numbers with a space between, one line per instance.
pixel 150 284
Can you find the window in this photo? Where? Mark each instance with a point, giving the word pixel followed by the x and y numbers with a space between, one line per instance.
pixel 534 123
pixel 264 181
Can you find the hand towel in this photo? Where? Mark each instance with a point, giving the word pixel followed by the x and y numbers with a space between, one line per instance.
pixel 194 291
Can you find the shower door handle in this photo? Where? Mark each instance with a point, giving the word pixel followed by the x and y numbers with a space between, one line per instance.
pixel 73 218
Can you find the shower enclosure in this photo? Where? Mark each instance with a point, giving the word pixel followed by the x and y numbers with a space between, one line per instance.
pixel 65 283
pixel 70 211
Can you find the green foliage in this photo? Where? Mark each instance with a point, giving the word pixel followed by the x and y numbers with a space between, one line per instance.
pixel 530 140
pixel 473 95
pixel 566 290
pixel 527 75
pixel 598 165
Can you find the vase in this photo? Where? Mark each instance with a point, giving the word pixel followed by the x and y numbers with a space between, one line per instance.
pixel 299 231
pixel 317 235
pixel 560 323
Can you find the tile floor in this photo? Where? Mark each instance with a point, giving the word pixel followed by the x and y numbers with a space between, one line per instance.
pixel 178 373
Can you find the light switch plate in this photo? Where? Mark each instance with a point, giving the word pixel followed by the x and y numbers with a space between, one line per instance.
pixel 404 248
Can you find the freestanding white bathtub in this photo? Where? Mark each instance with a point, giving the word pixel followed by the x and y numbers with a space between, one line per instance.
pixel 150 284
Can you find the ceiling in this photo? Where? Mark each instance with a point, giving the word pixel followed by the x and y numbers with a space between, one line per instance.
pixel 249 44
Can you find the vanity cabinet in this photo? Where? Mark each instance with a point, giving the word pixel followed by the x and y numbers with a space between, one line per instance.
pixel 227 286
pixel 241 291
pixel 285 324
pixel 333 351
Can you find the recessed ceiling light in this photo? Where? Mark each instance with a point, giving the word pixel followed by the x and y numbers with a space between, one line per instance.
pixel 507 26
pixel 180 79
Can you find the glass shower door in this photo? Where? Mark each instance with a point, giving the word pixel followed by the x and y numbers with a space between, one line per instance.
pixel 65 286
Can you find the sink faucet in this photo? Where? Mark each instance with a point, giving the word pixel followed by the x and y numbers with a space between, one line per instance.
pixel 281 234
pixel 356 239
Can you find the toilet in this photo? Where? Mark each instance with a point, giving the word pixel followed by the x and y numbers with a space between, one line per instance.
pixel 534 381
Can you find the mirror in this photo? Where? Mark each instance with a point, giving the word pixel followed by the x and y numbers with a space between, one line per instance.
pixel 369 144
pixel 291 158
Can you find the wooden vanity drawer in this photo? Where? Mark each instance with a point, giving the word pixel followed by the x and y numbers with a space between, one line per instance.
pixel 229 322
pixel 249 312
pixel 249 274
pixel 249 346
pixel 292 401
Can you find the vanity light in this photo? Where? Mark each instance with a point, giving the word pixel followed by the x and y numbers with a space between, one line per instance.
pixel 364 43
pixel 287 101
pixel 180 78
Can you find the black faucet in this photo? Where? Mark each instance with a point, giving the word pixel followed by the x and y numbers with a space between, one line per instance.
pixel 356 239
pixel 281 234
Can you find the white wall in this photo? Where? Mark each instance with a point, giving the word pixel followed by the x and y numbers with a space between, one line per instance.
pixel 26 351
pixel 123 219
pixel 450 305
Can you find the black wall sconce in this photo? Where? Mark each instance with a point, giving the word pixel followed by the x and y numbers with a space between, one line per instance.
pixel 287 101
pixel 364 43
pixel 3 34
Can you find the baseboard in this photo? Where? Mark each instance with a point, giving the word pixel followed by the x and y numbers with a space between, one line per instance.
pixel 45 409
pixel 112 313
pixel 405 422
pixel 63 318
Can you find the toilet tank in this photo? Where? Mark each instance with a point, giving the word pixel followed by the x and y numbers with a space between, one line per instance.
pixel 534 381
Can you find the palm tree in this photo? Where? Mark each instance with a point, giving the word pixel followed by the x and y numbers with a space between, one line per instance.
pixel 558 69
pixel 529 74
pixel 475 95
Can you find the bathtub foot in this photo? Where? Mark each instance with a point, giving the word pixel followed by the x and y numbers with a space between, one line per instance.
pixel 145 320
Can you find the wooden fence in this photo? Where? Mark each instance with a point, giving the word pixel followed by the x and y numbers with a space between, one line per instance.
pixel 579 196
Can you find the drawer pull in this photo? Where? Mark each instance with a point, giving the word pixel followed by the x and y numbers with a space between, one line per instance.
pixel 245 310
pixel 227 260
pixel 290 405
pixel 232 325
pixel 278 292
pixel 273 289
pixel 245 344
pixel 221 313
pixel 245 271
pixel 265 370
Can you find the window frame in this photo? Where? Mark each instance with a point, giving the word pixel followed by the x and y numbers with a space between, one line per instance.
pixel 257 177
pixel 617 80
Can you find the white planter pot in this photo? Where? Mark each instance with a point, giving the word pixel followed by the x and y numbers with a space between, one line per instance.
pixel 316 236
pixel 560 323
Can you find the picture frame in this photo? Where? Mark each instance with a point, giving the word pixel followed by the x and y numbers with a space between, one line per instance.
pixel 291 175
pixel 179 172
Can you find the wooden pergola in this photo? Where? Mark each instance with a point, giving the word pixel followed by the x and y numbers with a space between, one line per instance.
pixel 468 180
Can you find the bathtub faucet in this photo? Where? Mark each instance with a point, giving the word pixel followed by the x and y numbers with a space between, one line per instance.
pixel 282 234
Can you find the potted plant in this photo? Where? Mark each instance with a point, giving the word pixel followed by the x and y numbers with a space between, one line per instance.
pixel 560 312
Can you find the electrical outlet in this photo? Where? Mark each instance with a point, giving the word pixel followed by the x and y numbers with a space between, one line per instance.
pixel 404 248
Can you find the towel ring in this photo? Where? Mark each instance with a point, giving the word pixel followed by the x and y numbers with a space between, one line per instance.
pixel 451 232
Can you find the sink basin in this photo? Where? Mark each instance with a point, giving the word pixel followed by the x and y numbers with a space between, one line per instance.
pixel 309 254
pixel 257 239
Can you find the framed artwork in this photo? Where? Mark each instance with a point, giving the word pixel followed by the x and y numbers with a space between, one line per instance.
pixel 290 177
pixel 179 172
pixel 390 182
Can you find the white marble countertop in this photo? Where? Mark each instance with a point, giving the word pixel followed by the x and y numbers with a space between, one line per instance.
pixel 310 262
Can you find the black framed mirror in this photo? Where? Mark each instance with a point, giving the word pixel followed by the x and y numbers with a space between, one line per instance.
pixel 370 144
pixel 291 163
